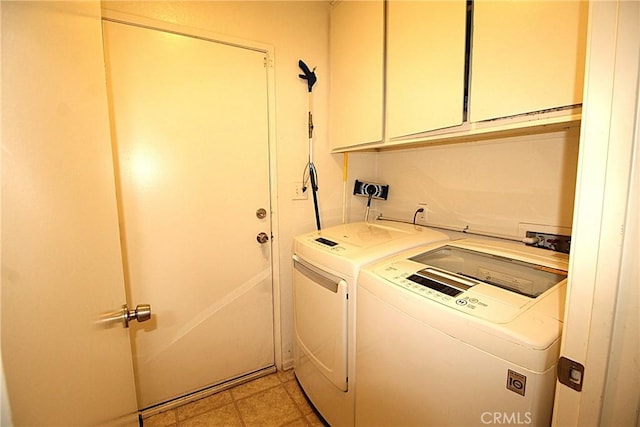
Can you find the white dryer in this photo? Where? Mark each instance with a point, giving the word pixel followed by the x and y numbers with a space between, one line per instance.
pixel 326 266
pixel 465 332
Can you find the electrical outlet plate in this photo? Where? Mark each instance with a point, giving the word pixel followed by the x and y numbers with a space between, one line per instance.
pixel 297 193
pixel 421 217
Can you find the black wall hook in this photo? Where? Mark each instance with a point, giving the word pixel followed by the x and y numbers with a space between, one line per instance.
pixel 309 76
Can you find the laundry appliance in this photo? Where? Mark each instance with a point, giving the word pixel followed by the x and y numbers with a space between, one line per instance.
pixel 326 265
pixel 465 332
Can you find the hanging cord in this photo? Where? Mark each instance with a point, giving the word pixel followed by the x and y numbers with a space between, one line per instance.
pixel 366 213
pixel 371 190
pixel 415 215
pixel 465 230
pixel 305 177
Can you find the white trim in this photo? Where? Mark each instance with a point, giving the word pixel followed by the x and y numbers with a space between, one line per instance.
pixel 199 33
pixel 602 194
pixel 621 403
pixel 275 223
pixel 175 403
pixel 269 51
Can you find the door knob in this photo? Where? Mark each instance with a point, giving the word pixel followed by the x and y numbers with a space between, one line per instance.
pixel 262 238
pixel 141 313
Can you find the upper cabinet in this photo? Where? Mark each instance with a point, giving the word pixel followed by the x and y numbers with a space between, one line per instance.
pixel 356 76
pixel 527 56
pixel 425 60
pixel 415 72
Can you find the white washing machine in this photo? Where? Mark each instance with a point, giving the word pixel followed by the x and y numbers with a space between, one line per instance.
pixel 461 333
pixel 326 266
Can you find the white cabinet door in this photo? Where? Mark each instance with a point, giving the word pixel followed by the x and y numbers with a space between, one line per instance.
pixel 356 50
pixel 526 56
pixel 61 259
pixel 425 65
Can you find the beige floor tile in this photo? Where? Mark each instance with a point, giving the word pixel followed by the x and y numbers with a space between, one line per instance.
pixel 225 416
pixel 293 388
pixel 206 404
pixel 314 420
pixel 285 376
pixel 272 407
pixel 255 386
pixel 273 400
pixel 300 422
pixel 163 419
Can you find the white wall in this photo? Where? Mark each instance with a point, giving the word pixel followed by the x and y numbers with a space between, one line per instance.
pixel 490 186
pixel 297 30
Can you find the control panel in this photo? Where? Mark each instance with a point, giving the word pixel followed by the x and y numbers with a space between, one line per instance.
pixel 326 242
pixel 435 285
pixel 461 293
pixel 328 245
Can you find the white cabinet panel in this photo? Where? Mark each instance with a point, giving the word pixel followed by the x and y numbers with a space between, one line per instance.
pixel 356 49
pixel 526 56
pixel 425 65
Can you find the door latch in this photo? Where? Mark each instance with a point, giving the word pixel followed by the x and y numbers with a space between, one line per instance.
pixel 570 373
pixel 141 313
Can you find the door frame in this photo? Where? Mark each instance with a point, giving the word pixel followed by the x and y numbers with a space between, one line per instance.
pixel 269 51
pixel 603 243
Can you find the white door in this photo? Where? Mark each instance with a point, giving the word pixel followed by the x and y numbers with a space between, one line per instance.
pixel 61 259
pixel 190 131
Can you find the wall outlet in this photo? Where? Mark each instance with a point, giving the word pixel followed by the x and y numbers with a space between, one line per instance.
pixel 421 217
pixel 297 193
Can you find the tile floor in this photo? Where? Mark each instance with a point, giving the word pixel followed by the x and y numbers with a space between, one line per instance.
pixel 273 400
